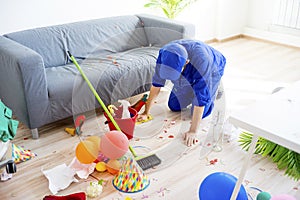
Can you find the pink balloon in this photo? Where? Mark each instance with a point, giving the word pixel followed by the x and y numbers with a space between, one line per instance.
pixel 283 197
pixel 114 144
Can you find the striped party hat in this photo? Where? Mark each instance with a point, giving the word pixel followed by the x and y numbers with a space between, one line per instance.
pixel 131 178
pixel 21 155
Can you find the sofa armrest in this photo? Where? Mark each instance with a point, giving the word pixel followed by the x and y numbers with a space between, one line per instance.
pixel 160 31
pixel 23 85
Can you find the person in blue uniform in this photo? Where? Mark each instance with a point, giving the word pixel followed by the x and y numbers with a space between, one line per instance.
pixel 195 69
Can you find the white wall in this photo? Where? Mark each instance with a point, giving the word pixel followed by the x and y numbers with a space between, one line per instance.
pixel 18 15
pixel 260 14
pixel 203 15
pixel 259 24
pixel 232 15
pixel 213 18
pixel 217 18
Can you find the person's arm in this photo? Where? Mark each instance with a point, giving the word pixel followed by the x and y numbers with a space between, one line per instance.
pixel 154 91
pixel 190 136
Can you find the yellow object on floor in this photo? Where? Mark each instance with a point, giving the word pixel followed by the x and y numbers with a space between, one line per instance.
pixel 149 118
pixel 101 167
pixel 71 131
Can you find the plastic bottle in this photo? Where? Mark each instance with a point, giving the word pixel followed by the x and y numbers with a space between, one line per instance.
pixel 125 105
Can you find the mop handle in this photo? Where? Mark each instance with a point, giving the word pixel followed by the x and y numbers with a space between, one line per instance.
pixel 98 98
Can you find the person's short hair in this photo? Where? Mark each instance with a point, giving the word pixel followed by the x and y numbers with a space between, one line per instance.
pixel 173 57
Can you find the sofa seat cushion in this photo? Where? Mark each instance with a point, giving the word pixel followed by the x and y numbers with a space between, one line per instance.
pixel 114 75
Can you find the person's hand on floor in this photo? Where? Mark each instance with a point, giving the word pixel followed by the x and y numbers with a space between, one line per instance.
pixel 142 117
pixel 190 138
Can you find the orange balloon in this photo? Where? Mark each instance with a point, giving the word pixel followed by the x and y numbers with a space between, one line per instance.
pixel 86 152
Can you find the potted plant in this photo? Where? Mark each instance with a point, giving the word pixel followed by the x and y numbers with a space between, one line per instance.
pixel 283 157
pixel 171 8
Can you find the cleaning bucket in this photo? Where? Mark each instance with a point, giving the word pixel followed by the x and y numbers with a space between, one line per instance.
pixel 126 125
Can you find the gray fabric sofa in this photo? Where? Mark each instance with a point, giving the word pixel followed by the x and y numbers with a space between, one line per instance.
pixel 41 85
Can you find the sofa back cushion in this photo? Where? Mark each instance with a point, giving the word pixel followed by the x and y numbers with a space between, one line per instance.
pixel 115 34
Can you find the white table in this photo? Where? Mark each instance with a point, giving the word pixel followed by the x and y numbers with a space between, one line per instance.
pixel 276 118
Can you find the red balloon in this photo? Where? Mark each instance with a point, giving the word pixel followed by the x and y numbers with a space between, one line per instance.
pixel 114 144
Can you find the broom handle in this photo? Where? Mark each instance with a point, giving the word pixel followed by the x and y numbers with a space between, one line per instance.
pixel 98 98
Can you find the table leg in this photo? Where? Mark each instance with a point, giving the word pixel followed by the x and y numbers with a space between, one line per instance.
pixel 244 168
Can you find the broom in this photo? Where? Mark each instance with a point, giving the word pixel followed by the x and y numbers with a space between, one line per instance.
pixel 145 162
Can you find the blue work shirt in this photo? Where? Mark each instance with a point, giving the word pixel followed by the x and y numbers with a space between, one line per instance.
pixel 202 73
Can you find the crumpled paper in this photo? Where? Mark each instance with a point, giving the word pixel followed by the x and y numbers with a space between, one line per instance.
pixel 59 177
pixel 82 170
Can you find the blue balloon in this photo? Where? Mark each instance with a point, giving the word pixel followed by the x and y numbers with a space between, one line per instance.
pixel 219 186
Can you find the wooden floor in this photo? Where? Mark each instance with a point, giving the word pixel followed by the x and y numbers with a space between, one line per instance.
pixel 254 68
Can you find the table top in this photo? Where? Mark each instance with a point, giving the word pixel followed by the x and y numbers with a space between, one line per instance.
pixel 276 118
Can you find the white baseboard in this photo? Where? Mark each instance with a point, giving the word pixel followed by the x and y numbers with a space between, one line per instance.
pixel 286 39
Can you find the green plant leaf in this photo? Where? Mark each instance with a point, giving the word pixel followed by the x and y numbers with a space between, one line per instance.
pixel 291 161
pixel 265 147
pixel 284 158
pixel 293 172
pixel 278 153
pixel 171 8
pixel 151 5
pixel 245 140
pixel 100 182
pixel 283 161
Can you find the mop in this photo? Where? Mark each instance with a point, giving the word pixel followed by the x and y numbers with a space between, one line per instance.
pixel 145 162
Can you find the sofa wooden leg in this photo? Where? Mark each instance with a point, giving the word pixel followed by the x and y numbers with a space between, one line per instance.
pixel 34 133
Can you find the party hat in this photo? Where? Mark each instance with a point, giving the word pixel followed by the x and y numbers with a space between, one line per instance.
pixel 131 178
pixel 20 154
